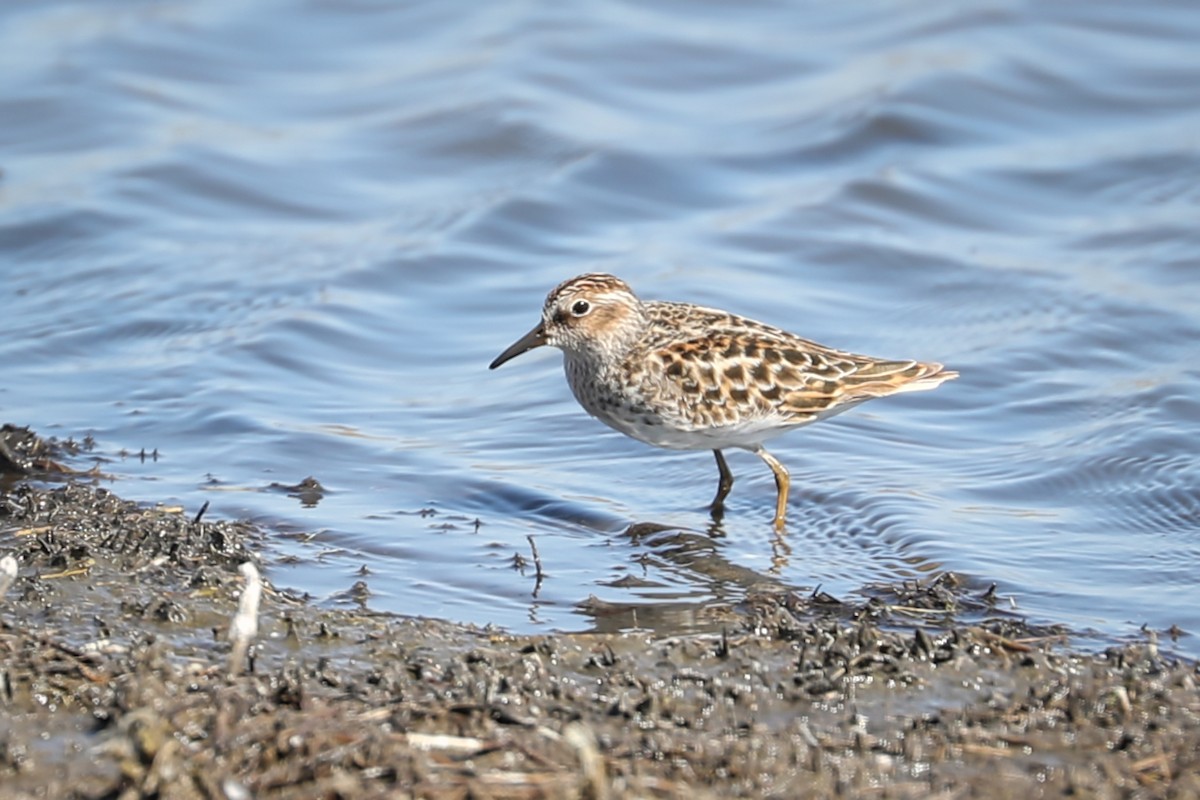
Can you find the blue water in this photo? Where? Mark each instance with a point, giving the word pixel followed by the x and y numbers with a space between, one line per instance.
pixel 284 239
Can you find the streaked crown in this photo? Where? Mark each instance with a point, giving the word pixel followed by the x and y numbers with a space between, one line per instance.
pixel 592 313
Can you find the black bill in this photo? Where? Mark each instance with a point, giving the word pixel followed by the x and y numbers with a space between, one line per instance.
pixel 535 338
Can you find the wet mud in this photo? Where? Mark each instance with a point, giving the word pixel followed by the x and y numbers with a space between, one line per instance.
pixel 116 681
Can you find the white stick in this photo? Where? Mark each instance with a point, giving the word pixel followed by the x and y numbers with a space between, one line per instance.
pixel 8 573
pixel 244 626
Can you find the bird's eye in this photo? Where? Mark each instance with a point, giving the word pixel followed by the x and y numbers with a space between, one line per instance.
pixel 581 307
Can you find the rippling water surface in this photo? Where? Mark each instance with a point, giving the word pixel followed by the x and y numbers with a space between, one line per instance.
pixel 284 239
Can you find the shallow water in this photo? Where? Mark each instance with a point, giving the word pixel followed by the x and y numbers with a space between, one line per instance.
pixel 285 239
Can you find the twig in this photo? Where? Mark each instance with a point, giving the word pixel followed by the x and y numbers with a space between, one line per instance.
pixel 537 564
pixel 1159 762
pixel 917 611
pixel 988 750
pixel 435 741
pixel 83 569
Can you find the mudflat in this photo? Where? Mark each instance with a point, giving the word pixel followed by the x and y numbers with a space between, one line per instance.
pixel 116 682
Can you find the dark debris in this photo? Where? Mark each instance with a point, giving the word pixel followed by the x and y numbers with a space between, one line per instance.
pixel 22 452
pixel 111 643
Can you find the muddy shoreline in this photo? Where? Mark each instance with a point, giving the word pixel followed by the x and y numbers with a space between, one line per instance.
pixel 115 682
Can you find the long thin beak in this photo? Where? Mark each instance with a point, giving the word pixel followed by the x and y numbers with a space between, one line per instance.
pixel 535 338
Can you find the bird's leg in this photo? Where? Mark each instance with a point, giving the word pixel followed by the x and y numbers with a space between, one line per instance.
pixel 724 484
pixel 783 482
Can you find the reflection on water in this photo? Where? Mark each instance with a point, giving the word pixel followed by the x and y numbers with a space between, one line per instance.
pixel 282 241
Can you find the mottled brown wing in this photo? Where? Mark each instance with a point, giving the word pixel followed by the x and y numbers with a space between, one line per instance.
pixel 729 377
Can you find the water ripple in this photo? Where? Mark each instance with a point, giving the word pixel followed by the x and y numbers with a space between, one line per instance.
pixel 285 239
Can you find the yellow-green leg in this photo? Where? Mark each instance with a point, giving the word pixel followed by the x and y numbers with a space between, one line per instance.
pixel 783 482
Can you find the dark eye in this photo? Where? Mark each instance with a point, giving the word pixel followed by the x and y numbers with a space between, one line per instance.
pixel 581 307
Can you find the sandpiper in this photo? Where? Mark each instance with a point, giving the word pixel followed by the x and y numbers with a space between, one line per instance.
pixel 685 377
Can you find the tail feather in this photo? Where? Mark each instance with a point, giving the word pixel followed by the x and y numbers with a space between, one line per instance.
pixel 929 376
pixel 882 378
